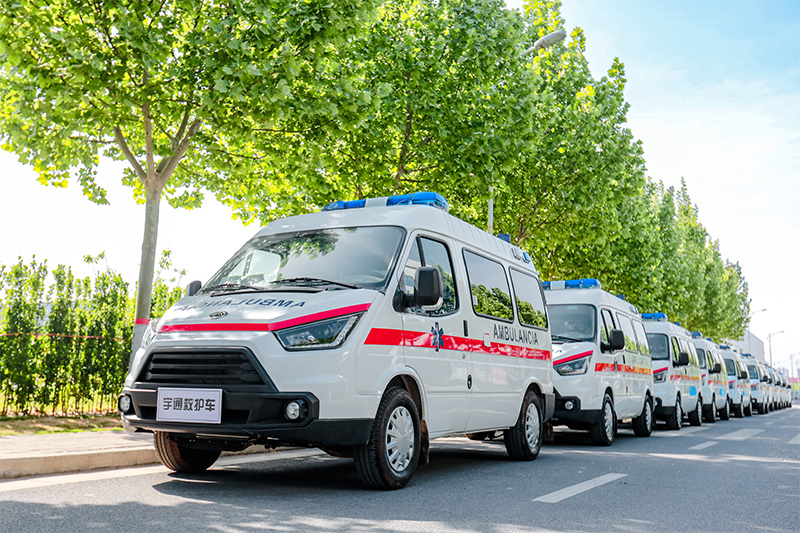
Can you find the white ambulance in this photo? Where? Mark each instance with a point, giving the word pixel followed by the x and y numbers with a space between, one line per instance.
pixel 714 380
pixel 738 382
pixel 759 383
pixel 601 358
pixel 366 329
pixel 676 371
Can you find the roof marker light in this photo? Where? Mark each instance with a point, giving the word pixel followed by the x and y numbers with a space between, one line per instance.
pixel 662 317
pixel 418 198
pixel 697 335
pixel 585 283
pixel 504 237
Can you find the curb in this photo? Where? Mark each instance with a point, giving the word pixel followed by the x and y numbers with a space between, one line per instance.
pixel 70 462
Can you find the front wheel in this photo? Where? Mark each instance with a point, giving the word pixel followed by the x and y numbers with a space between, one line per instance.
pixel 524 440
pixel 676 418
pixel 748 409
pixel 695 417
pixel 711 413
pixel 391 456
pixel 738 410
pixel 725 414
pixel 603 431
pixel 643 424
pixel 180 458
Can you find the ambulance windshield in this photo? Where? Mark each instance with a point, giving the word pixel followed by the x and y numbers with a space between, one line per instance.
pixel 572 323
pixel 659 346
pixel 322 259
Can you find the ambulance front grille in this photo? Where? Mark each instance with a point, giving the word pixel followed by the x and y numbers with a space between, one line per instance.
pixel 202 367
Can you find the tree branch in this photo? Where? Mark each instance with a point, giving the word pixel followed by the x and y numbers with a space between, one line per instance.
pixel 128 154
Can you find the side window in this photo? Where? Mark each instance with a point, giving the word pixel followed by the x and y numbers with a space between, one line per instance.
pixel 692 353
pixel 607 325
pixel 489 287
pixel 701 356
pixel 530 304
pixel 427 252
pixel 627 329
pixel 675 349
pixel 641 338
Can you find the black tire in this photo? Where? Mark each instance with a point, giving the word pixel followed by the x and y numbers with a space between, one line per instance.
pixel 675 419
pixel 391 456
pixel 760 408
pixel 524 440
pixel 180 458
pixel 643 424
pixel 748 409
pixel 710 416
pixel 738 411
pixel 696 416
pixel 725 414
pixel 602 432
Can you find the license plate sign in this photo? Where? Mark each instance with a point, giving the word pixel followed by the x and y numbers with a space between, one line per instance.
pixel 189 405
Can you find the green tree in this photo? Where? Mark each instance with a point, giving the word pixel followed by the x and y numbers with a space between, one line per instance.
pixel 179 89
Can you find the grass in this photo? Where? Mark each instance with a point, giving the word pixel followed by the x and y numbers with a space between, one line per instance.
pixel 33 425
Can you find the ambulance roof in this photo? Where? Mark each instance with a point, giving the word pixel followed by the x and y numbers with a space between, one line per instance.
pixel 560 293
pixel 662 325
pixel 430 218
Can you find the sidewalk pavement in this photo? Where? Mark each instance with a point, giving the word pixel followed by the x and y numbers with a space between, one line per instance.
pixel 56 453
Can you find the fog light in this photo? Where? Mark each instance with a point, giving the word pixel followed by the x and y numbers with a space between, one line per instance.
pixel 124 404
pixel 569 405
pixel 293 410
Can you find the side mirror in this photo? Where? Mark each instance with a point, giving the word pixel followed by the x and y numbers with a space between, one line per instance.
pixel 717 368
pixel 616 341
pixel 428 288
pixel 683 359
pixel 764 379
pixel 743 376
pixel 193 287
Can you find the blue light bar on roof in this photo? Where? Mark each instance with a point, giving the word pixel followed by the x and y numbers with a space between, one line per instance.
pixel 724 347
pixel 697 335
pixel 585 283
pixel 418 198
pixel 661 317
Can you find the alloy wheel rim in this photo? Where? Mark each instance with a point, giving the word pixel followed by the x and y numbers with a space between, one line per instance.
pixel 532 428
pixel 608 415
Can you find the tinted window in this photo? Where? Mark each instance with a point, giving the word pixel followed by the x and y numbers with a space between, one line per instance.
pixel 627 328
pixel 730 367
pixel 701 356
pixel 659 346
pixel 427 252
pixel 752 370
pixel 641 337
pixel 528 295
pixel 488 284
pixel 607 325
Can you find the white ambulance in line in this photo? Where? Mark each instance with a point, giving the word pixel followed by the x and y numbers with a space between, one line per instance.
pixel 676 371
pixel 601 358
pixel 366 329
pixel 738 382
pixel 714 379
pixel 759 383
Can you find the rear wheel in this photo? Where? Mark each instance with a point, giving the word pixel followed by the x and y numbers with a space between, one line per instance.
pixel 748 409
pixel 675 419
pixel 695 417
pixel 524 440
pixel 643 424
pixel 711 413
pixel 603 431
pixel 391 456
pixel 180 458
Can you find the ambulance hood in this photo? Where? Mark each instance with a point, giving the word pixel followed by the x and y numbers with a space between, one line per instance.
pixel 572 350
pixel 262 310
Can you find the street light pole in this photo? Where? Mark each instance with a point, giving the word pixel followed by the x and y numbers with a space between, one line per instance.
pixel 540 44
pixel 769 338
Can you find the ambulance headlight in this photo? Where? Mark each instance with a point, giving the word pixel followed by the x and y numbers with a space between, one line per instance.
pixel 660 377
pixel 574 367
pixel 324 334
pixel 150 332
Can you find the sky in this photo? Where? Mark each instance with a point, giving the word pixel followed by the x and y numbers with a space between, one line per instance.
pixel 714 90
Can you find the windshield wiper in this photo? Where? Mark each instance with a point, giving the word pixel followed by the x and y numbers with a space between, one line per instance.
pixel 562 338
pixel 228 287
pixel 315 281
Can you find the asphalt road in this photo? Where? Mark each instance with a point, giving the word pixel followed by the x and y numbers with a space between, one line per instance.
pixel 738 475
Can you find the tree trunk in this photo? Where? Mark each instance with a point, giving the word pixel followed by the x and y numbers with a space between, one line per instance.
pixel 144 290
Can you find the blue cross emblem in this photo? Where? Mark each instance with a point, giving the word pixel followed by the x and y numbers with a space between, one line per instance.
pixel 437 333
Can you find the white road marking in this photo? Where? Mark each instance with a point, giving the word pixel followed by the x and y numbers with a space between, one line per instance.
pixel 66 479
pixel 563 494
pixel 680 433
pixel 742 434
pixel 704 445
pixel 795 440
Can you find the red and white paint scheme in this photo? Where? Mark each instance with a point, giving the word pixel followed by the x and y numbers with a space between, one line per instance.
pixel 713 378
pixel 366 329
pixel 676 371
pixel 601 359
